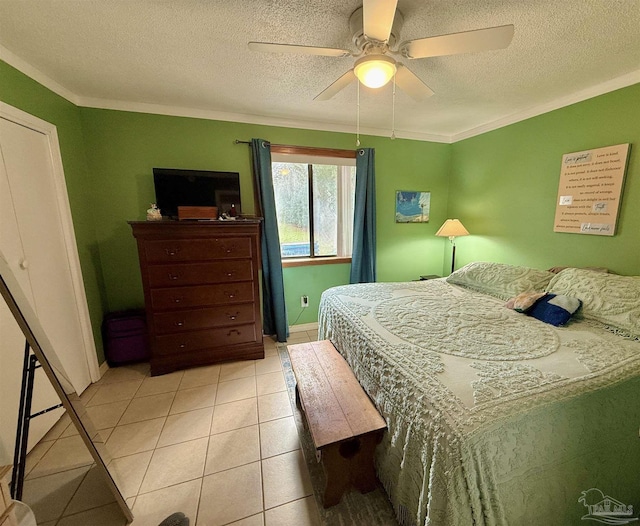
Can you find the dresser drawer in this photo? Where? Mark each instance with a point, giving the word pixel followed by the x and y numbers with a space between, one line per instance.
pixel 191 341
pixel 196 273
pixel 189 320
pixel 166 250
pixel 202 296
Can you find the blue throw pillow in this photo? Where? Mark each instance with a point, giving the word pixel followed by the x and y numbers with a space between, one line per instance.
pixel 554 309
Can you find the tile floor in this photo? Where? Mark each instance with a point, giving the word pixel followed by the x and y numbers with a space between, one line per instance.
pixel 218 443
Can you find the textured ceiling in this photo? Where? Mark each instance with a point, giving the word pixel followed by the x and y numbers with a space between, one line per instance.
pixel 193 55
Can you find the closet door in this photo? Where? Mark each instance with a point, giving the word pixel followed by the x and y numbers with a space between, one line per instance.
pixel 33 242
pixel 12 340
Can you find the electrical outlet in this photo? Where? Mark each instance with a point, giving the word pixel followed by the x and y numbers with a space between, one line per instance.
pixel 304 301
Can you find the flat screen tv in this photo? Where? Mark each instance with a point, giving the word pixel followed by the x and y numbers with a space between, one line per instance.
pixel 176 188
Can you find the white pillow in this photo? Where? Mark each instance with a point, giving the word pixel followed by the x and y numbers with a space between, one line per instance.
pixel 501 280
pixel 606 298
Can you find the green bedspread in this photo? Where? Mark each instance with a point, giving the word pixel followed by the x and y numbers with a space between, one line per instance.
pixel 494 418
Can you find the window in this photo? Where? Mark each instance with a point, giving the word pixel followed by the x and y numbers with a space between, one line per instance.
pixel 314 198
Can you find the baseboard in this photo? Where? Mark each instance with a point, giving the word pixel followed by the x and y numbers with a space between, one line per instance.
pixel 104 367
pixel 304 327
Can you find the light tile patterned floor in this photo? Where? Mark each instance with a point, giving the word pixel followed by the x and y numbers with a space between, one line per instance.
pixel 218 443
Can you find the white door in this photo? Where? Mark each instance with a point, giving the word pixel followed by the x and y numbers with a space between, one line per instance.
pixel 11 338
pixel 36 245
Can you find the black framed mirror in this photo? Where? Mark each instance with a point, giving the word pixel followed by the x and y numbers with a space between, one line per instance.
pixel 91 462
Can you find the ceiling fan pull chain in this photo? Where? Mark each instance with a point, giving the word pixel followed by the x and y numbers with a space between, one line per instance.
pixel 358 118
pixel 393 110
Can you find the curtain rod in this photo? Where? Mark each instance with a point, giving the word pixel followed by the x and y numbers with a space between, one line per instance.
pixel 309 150
pixel 238 141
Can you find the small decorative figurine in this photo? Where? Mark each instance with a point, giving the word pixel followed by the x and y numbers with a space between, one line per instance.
pixel 153 214
pixel 233 212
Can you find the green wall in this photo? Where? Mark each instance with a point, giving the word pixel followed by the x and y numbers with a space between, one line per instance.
pixel 504 187
pixel 22 92
pixel 123 147
pixel 310 281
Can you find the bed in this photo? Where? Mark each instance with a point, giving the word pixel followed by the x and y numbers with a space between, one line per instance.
pixel 495 417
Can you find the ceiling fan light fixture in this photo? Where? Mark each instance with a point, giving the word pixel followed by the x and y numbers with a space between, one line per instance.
pixel 374 71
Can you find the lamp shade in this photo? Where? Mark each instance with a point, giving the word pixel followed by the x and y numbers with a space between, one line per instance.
pixel 374 71
pixel 452 228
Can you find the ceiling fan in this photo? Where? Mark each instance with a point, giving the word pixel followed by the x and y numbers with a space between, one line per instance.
pixel 375 27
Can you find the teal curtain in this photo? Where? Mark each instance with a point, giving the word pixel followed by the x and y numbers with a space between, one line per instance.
pixel 274 311
pixel 363 257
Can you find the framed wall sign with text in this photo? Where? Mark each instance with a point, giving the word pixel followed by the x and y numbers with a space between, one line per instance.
pixel 590 190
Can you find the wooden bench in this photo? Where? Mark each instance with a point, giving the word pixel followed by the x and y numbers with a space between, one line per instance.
pixel 343 422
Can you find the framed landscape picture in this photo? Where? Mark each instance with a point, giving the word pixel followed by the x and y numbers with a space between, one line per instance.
pixel 412 207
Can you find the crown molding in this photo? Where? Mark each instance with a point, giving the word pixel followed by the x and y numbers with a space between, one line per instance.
pixel 176 111
pixel 579 96
pixel 24 67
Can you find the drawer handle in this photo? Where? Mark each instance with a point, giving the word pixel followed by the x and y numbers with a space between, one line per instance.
pixel 182 345
pixel 230 249
pixel 232 331
pixel 173 277
pixel 231 295
pixel 179 323
pixel 229 274
pixel 171 251
pixel 177 300
pixel 233 316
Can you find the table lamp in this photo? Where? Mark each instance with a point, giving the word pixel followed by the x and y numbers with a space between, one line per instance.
pixel 452 228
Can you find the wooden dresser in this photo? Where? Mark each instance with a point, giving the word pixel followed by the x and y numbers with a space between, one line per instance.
pixel 201 291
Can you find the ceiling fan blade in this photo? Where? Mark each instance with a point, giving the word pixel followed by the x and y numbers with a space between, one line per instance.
pixel 408 82
pixel 337 86
pixel 455 43
pixel 268 47
pixel 378 18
